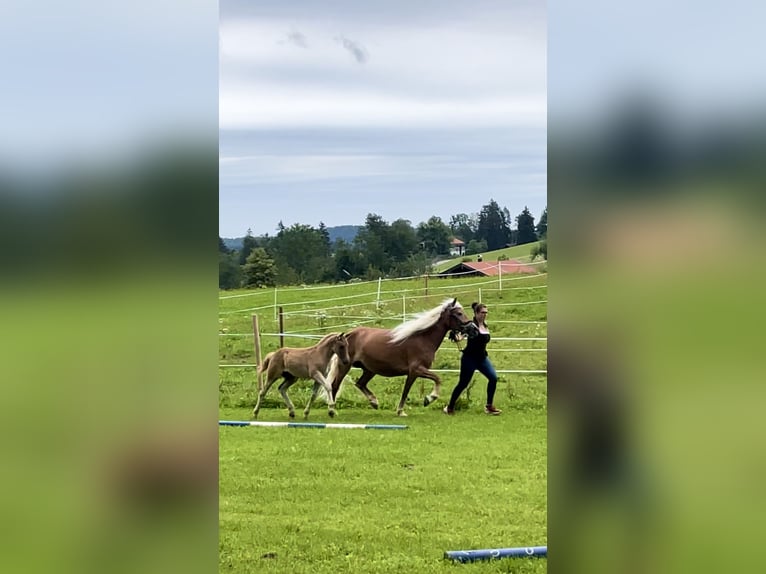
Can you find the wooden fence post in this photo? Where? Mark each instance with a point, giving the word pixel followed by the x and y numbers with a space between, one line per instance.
pixel 257 344
pixel 281 328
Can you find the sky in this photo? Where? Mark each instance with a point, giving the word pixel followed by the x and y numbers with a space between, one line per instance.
pixel 404 109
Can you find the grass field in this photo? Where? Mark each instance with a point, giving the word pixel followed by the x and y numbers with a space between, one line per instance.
pixel 330 500
pixel 520 252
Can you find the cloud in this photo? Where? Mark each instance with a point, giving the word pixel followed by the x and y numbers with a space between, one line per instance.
pixel 297 39
pixel 356 50
pixel 267 105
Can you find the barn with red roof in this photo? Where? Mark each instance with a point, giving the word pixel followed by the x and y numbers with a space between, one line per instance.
pixel 488 268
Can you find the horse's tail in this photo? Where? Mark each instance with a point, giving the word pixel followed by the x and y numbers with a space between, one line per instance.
pixel 264 366
pixel 332 372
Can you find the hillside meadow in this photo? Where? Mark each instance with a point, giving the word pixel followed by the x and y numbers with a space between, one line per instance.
pixel 331 500
pixel 519 252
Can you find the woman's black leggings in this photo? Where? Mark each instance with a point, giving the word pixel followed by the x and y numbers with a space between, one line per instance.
pixel 468 366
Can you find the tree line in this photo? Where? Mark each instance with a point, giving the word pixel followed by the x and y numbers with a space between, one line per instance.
pixel 303 254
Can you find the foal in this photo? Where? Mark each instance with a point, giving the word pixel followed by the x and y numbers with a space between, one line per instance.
pixel 306 363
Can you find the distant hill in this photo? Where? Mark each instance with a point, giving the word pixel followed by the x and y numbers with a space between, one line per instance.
pixel 345 232
pixel 235 244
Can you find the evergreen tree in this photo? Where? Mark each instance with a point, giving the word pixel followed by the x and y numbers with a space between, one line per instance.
pixel 373 240
pixel 493 226
pixel 525 227
pixel 463 226
pixel 248 244
pixel 349 261
pixel 229 271
pixel 401 241
pixel 259 270
pixel 542 226
pixel 302 254
pixel 325 237
pixel 222 246
pixel 434 236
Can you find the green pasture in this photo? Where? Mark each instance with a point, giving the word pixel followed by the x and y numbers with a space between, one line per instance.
pixel 519 252
pixel 331 500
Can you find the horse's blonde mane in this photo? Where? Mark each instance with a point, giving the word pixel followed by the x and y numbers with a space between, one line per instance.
pixel 421 322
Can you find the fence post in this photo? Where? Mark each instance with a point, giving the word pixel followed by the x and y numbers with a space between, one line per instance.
pixel 404 309
pixel 257 344
pixel 281 328
pixel 500 274
pixel 479 294
pixel 426 276
pixel 378 302
pixel 275 302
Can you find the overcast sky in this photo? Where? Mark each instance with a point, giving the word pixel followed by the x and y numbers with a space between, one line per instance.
pixel 405 109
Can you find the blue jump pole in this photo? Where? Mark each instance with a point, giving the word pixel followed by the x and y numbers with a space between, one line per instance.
pixel 494 553
pixel 309 425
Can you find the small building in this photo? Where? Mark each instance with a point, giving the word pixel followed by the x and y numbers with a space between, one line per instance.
pixel 456 247
pixel 487 268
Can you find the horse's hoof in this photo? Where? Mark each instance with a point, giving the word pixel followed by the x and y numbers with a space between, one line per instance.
pixel 331 413
pixel 427 400
pixel 374 405
pixel 401 414
pixel 292 415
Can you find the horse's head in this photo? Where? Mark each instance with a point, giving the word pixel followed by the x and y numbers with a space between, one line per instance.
pixel 459 322
pixel 340 348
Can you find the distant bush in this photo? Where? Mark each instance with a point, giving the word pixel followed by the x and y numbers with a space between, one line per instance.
pixel 466 259
pixel 502 257
pixel 540 250
pixel 475 247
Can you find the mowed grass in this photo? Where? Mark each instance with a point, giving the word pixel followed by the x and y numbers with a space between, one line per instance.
pixel 334 500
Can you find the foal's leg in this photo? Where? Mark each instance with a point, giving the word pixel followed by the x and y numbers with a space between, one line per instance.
pixel 320 378
pixel 261 394
pixel 314 393
pixel 361 384
pixel 286 384
pixel 319 382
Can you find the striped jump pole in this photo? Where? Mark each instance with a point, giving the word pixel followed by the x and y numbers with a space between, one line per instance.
pixel 494 553
pixel 309 425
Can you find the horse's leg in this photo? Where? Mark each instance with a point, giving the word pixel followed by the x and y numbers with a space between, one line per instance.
pixel 361 384
pixel 286 384
pixel 426 374
pixel 339 376
pixel 314 393
pixel 405 391
pixel 261 394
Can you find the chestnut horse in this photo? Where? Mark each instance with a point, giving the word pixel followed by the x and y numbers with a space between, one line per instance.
pixel 408 349
pixel 307 363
